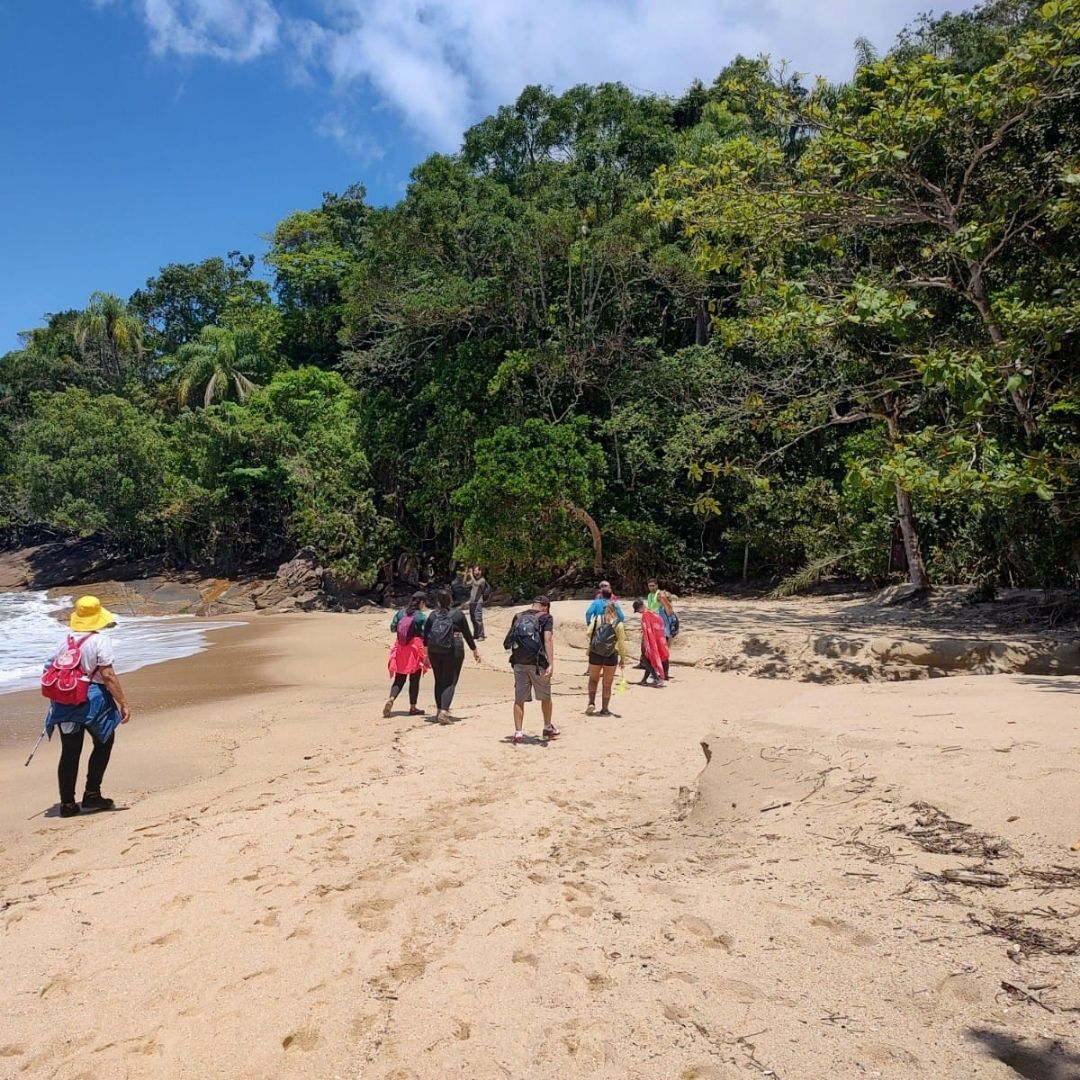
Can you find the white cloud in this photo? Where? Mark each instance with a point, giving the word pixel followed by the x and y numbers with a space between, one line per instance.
pixel 236 30
pixel 442 64
pixel 335 126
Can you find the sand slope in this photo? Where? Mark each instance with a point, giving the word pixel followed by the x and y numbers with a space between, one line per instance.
pixel 331 894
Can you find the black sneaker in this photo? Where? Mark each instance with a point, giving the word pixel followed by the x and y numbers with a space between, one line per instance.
pixel 97 801
pixel 70 809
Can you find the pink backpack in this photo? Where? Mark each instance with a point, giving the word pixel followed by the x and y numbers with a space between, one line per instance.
pixel 405 629
pixel 64 680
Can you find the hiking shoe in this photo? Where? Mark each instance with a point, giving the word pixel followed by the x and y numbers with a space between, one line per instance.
pixel 590 709
pixel 444 716
pixel 415 711
pixel 70 809
pixel 551 732
pixel 519 737
pixel 96 801
pixel 388 707
pixel 604 712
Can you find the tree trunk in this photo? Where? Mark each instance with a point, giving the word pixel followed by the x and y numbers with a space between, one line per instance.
pixel 917 574
pixel 916 567
pixel 701 324
pixel 597 540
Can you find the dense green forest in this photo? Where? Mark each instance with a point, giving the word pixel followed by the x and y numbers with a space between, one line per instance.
pixel 770 326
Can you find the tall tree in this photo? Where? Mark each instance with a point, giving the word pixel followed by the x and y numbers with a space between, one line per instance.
pixel 110 335
pixel 219 365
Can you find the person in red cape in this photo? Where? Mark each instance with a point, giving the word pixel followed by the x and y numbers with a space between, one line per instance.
pixel 654 646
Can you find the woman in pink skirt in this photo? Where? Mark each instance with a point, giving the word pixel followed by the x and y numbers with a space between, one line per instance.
pixel 408 657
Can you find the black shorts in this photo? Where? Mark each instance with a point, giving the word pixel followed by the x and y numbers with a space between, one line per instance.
pixel 603 661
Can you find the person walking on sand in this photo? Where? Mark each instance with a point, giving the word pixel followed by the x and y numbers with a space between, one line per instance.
pixel 654 648
pixel 671 626
pixel 607 648
pixel 604 596
pixel 444 631
pixel 408 657
pixel 478 590
pixel 86 697
pixel 531 643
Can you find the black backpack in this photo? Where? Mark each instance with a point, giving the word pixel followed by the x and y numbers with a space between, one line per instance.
pixel 673 623
pixel 459 592
pixel 604 640
pixel 526 639
pixel 439 629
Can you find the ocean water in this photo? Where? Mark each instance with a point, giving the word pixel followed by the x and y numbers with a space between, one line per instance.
pixel 31 627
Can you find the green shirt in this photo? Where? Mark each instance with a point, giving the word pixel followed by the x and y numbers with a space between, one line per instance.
pixel 652 601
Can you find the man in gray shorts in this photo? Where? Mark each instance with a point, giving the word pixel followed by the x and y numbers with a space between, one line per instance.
pixel 531 642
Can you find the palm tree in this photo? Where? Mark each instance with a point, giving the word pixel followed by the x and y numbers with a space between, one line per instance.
pixel 109 333
pixel 213 367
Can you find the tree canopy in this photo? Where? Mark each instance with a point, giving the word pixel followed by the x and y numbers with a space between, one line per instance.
pixel 765 327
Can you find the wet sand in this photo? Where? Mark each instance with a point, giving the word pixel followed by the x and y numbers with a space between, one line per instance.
pixel 302 888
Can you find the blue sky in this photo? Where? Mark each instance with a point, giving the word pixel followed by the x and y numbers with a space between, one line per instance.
pixel 142 132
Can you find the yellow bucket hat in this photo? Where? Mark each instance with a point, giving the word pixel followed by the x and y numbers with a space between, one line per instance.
pixel 90 615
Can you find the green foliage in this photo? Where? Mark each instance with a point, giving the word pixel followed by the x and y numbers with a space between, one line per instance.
pixel 92 464
pixel 515 505
pixel 761 319
pixel 230 488
pixel 219 366
pixel 182 298
pixel 333 507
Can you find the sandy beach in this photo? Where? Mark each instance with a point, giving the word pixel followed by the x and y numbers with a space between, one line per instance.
pixel 733 877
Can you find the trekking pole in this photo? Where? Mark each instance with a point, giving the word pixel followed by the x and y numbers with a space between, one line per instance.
pixel 36 745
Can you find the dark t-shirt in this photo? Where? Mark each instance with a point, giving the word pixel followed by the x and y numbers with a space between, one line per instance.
pixel 461 630
pixel 547 626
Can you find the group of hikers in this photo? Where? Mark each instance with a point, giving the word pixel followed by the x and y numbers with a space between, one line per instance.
pixel 86 696
pixel 435 640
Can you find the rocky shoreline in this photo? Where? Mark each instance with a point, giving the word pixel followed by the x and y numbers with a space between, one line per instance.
pixel 146 588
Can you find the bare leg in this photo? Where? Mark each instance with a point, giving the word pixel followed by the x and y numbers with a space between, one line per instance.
pixel 545 708
pixel 594 682
pixel 519 715
pixel 609 681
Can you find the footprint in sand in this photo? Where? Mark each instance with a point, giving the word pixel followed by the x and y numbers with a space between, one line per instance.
pixel 165 939
pixel 702 930
pixel 843 929
pixel 301 1039
pixel 554 922
pixel 11 1050
pixel 372 914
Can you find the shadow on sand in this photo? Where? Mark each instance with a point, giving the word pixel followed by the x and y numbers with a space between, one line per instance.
pixel 1036 1060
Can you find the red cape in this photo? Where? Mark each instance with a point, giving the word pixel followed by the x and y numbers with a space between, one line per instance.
pixel 653 642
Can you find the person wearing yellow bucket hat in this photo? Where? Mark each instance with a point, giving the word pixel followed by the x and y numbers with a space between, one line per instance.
pixel 104 709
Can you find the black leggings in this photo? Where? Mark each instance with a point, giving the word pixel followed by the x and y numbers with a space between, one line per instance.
pixel 414 686
pixel 67 771
pixel 446 667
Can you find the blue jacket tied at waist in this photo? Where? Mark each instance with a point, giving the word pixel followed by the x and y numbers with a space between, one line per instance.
pixel 99 714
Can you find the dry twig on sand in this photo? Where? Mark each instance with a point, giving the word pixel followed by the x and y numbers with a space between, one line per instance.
pixel 1057 877
pixel 1009 926
pixel 936 832
pixel 1023 995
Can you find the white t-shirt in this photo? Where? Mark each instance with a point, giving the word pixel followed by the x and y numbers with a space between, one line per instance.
pixel 95 652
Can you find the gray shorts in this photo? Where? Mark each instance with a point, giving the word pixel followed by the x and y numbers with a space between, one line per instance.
pixel 527 679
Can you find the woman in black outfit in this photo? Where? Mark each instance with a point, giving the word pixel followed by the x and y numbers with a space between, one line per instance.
pixel 444 631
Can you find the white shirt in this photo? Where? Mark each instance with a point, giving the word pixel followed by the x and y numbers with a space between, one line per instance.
pixel 95 652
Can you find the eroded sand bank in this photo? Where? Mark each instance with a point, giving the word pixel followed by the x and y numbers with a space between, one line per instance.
pixel 304 889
